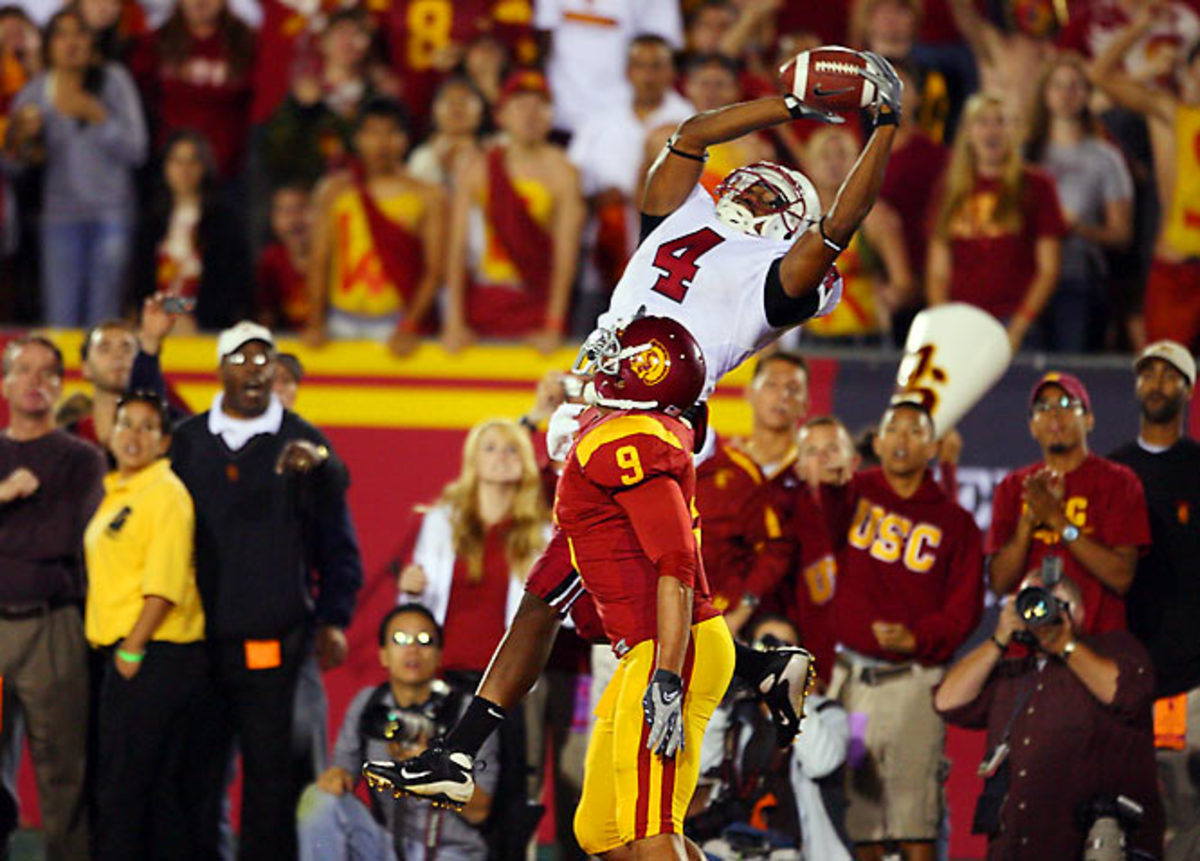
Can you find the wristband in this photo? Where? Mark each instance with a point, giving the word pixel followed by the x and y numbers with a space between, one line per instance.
pixel 1003 648
pixel 702 157
pixel 829 243
pixel 131 657
pixel 885 116
pixel 1068 649
pixel 794 106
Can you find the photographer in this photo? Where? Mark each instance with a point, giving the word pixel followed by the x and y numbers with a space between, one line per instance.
pixel 1068 725
pixel 396 720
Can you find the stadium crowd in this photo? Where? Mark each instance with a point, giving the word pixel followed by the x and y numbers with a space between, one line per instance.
pixel 470 170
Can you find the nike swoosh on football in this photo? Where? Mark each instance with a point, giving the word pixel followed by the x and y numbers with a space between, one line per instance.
pixel 414 775
pixel 820 93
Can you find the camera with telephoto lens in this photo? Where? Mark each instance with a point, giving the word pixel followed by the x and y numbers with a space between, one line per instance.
pixel 403 726
pixel 1037 606
pixel 1108 821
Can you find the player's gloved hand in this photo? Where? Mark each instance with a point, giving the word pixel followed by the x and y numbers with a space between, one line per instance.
pixel 663 707
pixel 889 89
pixel 801 111
pixel 562 429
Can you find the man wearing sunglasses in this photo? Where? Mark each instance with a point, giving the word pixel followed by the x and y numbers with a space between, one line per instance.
pixel 1074 504
pixel 396 720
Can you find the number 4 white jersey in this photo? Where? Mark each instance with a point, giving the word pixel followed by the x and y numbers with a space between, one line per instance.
pixel 710 277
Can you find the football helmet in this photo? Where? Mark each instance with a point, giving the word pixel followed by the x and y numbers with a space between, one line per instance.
pixel 794 205
pixel 649 363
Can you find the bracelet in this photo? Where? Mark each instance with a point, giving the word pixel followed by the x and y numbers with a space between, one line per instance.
pixel 702 157
pixel 829 243
pixel 131 657
pixel 1001 646
pixel 527 423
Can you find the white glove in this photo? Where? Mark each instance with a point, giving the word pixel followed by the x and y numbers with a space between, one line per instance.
pixel 562 429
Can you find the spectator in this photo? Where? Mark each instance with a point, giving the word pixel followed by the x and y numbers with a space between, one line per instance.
pixel 155 787
pixel 707 28
pixel 801 799
pixel 416 707
pixel 710 83
pixel 744 550
pixel 996 240
pixel 1009 62
pixel 607 151
pixel 52 484
pixel 1164 600
pixel 289 373
pixel 375 265
pixel 587 51
pixel 909 592
pixel 916 166
pixel 114 24
pixel 890 28
pixel 86 131
pixel 870 297
pixel 269 498
pixel 20 53
pixel 459 112
pixel 1075 719
pixel 310 133
pixel 281 296
pixel 1096 192
pixel 1086 510
pixel 1171 306
pixel 486 64
pixel 195 74
pixel 512 279
pixel 190 245
pixel 826 453
pixel 1093 27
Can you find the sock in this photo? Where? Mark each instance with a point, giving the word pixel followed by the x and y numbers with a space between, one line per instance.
pixel 474 727
pixel 750 664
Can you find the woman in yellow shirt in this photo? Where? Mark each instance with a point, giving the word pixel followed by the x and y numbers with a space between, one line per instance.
pixel 144 615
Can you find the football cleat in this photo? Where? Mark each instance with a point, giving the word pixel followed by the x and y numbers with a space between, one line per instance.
pixel 787 680
pixel 442 776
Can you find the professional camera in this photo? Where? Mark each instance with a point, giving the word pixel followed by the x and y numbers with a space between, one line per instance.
pixel 1108 820
pixel 1037 607
pixel 403 726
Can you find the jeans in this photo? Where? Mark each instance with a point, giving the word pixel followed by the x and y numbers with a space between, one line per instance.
pixel 84 263
pixel 339 828
pixel 1075 318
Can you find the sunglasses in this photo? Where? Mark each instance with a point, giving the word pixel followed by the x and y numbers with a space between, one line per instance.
pixel 423 639
pixel 1060 403
pixel 238 359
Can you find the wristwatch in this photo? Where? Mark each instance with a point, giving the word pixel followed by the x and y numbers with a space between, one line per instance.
pixel 1069 533
pixel 1068 649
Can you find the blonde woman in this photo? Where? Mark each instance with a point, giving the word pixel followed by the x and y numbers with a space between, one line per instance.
pixel 474 547
pixel 997 237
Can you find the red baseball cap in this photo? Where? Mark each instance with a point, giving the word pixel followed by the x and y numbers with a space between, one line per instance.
pixel 1069 383
pixel 524 81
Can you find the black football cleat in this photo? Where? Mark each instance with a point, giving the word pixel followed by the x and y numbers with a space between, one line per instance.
pixel 789 677
pixel 442 776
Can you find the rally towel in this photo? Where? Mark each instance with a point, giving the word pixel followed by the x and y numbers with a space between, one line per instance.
pixel 526 242
pixel 401 252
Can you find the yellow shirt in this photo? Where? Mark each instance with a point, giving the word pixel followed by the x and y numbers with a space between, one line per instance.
pixel 138 543
pixel 359 284
pixel 1181 228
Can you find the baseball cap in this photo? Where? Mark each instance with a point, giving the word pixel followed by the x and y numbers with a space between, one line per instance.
pixel 1069 383
pixel 1174 354
pixel 237 336
pixel 524 81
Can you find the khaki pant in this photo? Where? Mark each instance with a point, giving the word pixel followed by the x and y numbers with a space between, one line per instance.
pixel 895 791
pixel 1180 794
pixel 44 664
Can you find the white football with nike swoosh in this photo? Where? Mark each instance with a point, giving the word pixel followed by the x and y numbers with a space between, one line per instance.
pixel 828 79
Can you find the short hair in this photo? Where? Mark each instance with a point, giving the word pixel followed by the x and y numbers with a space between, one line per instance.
pixel 825 421
pixel 794 359
pixel 293 364
pixel 773 619
pixel 152 399
pixel 651 39
pixel 381 107
pixel 102 326
pixel 701 61
pixel 399 610
pixel 912 404
pixel 701 8
pixel 353 14
pixel 14 346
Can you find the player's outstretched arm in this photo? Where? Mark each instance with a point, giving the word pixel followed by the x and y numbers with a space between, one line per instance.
pixel 678 167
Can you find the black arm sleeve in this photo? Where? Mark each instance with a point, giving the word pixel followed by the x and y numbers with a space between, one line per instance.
pixel 783 310
pixel 147 375
pixel 649 222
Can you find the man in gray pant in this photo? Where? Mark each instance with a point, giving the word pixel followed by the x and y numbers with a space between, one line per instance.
pixel 50 483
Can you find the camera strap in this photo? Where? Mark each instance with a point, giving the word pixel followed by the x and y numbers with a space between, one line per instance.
pixel 1022 698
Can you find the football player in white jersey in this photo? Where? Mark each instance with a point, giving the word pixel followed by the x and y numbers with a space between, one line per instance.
pixel 736 273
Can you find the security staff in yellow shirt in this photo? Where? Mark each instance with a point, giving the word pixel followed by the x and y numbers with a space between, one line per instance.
pixel 144 614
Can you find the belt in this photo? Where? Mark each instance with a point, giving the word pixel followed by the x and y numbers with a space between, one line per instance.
pixel 21 612
pixel 875 675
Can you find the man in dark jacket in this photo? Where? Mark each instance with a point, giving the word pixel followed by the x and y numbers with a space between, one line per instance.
pixel 269 495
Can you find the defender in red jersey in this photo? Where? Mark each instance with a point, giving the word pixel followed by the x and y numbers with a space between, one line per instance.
pixel 910 591
pixel 1089 511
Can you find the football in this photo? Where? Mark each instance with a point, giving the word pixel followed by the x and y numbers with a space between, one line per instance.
pixel 828 79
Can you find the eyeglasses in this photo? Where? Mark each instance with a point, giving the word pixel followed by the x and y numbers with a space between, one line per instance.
pixel 423 639
pixel 258 359
pixel 1061 403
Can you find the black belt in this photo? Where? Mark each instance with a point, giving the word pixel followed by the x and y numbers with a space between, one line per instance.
pixel 873 675
pixel 21 612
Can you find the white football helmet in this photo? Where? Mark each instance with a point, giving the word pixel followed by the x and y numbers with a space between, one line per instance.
pixel 795 206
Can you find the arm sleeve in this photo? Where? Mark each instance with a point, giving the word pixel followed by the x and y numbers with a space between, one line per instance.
pixel 347 749
pixel 92 467
pixel 1135 676
pixel 1127 521
pixel 169 553
pixel 123 133
pixel 335 545
pixel 774 540
pixel 1118 184
pixel 147 374
pixel 972 715
pixel 663 525
pixel 940 634
pixel 823 740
